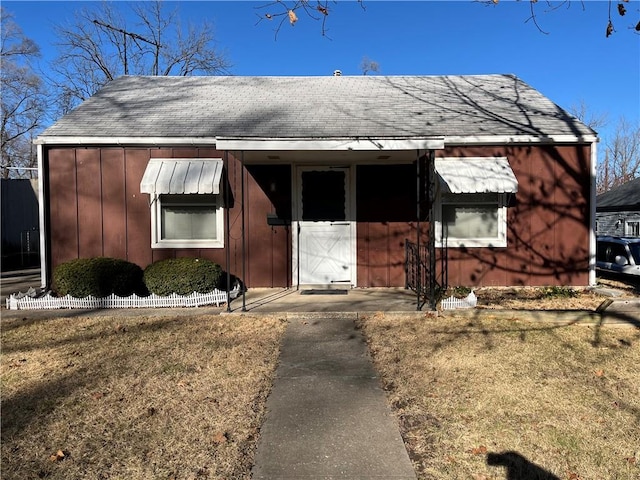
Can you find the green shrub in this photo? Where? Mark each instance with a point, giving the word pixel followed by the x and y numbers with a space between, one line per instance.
pixel 98 276
pixel 559 292
pixel 458 292
pixel 182 276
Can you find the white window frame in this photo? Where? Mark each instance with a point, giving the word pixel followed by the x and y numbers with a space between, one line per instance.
pixel 156 228
pixel 629 224
pixel 499 241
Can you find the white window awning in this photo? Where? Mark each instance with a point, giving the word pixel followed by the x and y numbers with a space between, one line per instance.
pixel 476 175
pixel 182 176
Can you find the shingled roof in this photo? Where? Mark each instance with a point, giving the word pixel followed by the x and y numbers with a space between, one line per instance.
pixel 317 107
pixel 623 197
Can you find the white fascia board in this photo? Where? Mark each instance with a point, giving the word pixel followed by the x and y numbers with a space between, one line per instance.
pixel 371 144
pixel 297 144
pixel 61 140
pixel 506 139
pixel 42 219
pixel 592 216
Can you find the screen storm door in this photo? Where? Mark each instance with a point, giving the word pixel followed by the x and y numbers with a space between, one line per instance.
pixel 324 233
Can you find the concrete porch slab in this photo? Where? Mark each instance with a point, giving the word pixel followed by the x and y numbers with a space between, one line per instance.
pixel 273 300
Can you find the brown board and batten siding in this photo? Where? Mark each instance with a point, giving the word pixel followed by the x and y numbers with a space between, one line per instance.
pixel 548 223
pixel 96 209
pixel 385 215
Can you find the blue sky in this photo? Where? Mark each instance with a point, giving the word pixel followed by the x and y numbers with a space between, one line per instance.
pixel 574 62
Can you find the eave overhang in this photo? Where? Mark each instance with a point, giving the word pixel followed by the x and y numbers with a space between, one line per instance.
pixel 346 144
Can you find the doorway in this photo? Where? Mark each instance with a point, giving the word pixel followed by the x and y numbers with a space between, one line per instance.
pixel 324 234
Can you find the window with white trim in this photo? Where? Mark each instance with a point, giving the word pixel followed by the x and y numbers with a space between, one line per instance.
pixel 633 228
pixel 187 221
pixel 471 220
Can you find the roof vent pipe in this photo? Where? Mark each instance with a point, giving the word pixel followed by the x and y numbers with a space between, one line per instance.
pixel 337 73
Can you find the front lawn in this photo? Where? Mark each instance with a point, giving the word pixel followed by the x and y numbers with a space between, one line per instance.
pixel 493 399
pixel 135 397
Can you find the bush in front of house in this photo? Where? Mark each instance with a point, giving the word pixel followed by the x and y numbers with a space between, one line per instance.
pixel 98 276
pixel 182 276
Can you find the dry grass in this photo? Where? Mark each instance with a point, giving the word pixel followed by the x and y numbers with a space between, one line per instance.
pixel 551 298
pixel 135 397
pixel 495 399
pixel 526 298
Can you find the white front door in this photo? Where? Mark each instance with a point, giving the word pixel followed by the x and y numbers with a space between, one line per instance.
pixel 324 236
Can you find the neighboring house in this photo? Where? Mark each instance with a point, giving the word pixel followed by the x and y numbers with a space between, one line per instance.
pixel 295 181
pixel 618 210
pixel 20 220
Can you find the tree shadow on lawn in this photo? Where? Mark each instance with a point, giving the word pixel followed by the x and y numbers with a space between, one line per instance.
pixel 478 325
pixel 38 402
pixel 540 320
pixel 518 467
pixel 89 333
pixel 149 319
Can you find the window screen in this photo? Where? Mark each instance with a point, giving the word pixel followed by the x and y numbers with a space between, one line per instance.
pixel 188 217
pixel 471 220
pixel 465 221
pixel 633 229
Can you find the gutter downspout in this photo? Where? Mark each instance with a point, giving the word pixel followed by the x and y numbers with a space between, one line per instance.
pixel 418 213
pixel 431 179
pixel 42 218
pixel 227 235
pixel 592 215
pixel 244 250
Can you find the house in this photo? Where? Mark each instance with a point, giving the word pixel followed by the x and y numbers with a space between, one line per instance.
pixel 618 210
pixel 300 181
pixel 19 228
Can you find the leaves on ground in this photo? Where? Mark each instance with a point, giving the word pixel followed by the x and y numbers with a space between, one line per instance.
pixel 59 456
pixel 220 437
pixel 481 450
pixel 553 398
pixel 148 404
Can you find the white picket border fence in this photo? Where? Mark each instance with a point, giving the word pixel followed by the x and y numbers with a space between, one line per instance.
pixel 21 301
pixel 452 303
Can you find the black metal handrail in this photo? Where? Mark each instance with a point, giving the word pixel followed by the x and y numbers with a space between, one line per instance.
pixel 419 276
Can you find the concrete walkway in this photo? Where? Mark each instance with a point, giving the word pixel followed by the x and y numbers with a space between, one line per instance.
pixel 327 417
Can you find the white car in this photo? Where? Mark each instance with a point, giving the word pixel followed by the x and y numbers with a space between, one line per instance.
pixel 618 255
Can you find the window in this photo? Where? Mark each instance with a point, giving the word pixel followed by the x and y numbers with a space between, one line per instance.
pixel 633 229
pixel 472 199
pixel 471 220
pixel 187 221
pixel 186 203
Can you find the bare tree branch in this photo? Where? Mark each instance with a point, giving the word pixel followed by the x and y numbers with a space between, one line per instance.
pixel 318 11
pixel 99 46
pixel 591 119
pixel 622 156
pixel 534 6
pixel 367 65
pixel 24 101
